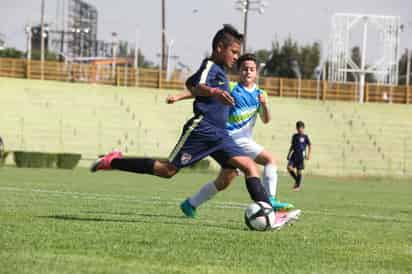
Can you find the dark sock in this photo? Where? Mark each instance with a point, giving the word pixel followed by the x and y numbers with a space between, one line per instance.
pixel 137 165
pixel 293 174
pixel 256 191
pixel 298 179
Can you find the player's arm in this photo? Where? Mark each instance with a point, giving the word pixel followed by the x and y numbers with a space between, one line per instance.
pixel 264 108
pixel 290 150
pixel 200 88
pixel 179 97
pixel 309 154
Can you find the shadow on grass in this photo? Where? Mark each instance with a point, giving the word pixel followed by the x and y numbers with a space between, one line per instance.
pixel 146 219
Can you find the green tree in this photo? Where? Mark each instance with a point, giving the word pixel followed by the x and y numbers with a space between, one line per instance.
pixel 283 56
pixel 11 53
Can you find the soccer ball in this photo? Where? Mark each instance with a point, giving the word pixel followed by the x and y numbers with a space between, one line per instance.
pixel 260 216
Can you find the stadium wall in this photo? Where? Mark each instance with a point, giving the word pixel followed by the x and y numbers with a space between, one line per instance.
pixel 348 139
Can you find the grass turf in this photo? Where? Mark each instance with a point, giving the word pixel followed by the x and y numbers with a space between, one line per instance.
pixel 54 221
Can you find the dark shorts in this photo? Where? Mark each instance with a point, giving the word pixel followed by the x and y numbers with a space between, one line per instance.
pixel 199 139
pixel 297 161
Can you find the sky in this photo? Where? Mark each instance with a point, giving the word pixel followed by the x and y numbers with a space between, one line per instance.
pixel 191 24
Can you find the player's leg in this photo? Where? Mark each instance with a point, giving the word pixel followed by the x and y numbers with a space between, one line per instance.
pixel 253 184
pixel 291 170
pixel 270 179
pixel 207 192
pixel 299 176
pixel 115 161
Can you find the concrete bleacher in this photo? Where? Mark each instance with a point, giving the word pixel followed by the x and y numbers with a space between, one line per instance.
pixel 348 139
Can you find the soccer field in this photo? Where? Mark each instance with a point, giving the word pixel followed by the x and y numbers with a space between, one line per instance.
pixel 54 221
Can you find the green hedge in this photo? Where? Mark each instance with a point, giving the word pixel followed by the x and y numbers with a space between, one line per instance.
pixel 3 157
pixel 68 160
pixel 46 160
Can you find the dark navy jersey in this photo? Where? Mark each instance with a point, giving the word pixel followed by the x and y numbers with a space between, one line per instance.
pixel 299 143
pixel 213 111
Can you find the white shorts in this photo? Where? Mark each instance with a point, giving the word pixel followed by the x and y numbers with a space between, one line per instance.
pixel 250 147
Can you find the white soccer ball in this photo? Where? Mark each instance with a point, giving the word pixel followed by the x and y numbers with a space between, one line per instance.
pixel 260 216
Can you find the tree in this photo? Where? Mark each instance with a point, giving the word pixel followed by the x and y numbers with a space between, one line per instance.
pixel 402 68
pixel 283 57
pixel 11 53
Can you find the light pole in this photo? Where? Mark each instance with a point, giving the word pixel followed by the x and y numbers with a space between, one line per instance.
pixel 28 43
pixel 42 34
pixel 296 69
pixel 114 52
pixel 136 58
pixel 245 6
pixel 164 57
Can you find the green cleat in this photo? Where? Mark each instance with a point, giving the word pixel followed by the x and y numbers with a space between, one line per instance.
pixel 188 209
pixel 278 206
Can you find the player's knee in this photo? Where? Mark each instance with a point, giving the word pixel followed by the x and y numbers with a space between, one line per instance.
pixel 167 171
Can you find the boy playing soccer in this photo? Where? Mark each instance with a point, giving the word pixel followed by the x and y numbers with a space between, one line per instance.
pixel 297 154
pixel 249 102
pixel 205 133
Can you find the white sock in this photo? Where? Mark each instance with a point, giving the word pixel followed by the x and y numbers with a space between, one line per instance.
pixel 270 179
pixel 205 193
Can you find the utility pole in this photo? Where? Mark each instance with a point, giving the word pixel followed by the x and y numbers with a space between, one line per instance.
pixel 28 43
pixel 245 15
pixel 245 6
pixel 136 58
pixel 408 67
pixel 164 57
pixel 42 40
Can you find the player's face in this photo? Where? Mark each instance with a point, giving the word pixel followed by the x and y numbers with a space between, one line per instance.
pixel 301 130
pixel 248 72
pixel 230 54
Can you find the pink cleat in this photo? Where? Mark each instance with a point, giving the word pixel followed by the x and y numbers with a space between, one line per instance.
pixel 103 163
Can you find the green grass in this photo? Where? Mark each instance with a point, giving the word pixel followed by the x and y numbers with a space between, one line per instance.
pixel 56 221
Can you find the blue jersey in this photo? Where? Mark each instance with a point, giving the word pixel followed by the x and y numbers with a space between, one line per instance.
pixel 213 111
pixel 242 116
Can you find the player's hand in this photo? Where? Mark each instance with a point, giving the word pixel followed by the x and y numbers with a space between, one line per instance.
pixel 262 99
pixel 307 157
pixel 223 97
pixel 171 99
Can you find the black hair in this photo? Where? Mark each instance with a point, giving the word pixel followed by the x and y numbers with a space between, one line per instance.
pixel 246 57
pixel 300 124
pixel 227 35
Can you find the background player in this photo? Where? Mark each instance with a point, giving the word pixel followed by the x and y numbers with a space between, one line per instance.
pixel 297 154
pixel 249 102
pixel 205 133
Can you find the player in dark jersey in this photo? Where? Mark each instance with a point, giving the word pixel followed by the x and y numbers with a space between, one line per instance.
pixel 297 154
pixel 205 134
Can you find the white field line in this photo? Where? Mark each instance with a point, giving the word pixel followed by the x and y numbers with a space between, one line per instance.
pixel 159 200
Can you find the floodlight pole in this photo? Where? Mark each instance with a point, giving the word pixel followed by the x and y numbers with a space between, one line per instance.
pixel 163 64
pixel 245 16
pixel 408 67
pixel 28 31
pixel 136 58
pixel 363 61
pixel 42 40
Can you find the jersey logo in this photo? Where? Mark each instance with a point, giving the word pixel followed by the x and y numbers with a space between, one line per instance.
pixel 301 139
pixel 185 158
pixel 221 83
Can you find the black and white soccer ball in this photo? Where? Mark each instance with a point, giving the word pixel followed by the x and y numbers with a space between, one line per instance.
pixel 260 216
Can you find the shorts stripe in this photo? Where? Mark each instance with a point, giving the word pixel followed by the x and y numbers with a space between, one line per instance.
pixel 184 137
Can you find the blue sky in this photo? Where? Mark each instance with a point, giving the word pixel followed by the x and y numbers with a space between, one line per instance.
pixel 306 21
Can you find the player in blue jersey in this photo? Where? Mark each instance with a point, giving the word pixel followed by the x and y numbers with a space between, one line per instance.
pixel 205 134
pixel 297 154
pixel 249 102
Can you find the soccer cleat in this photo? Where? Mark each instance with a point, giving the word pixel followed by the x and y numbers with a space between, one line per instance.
pixel 278 206
pixel 296 188
pixel 188 209
pixel 286 218
pixel 103 163
pixel 293 216
pixel 281 219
